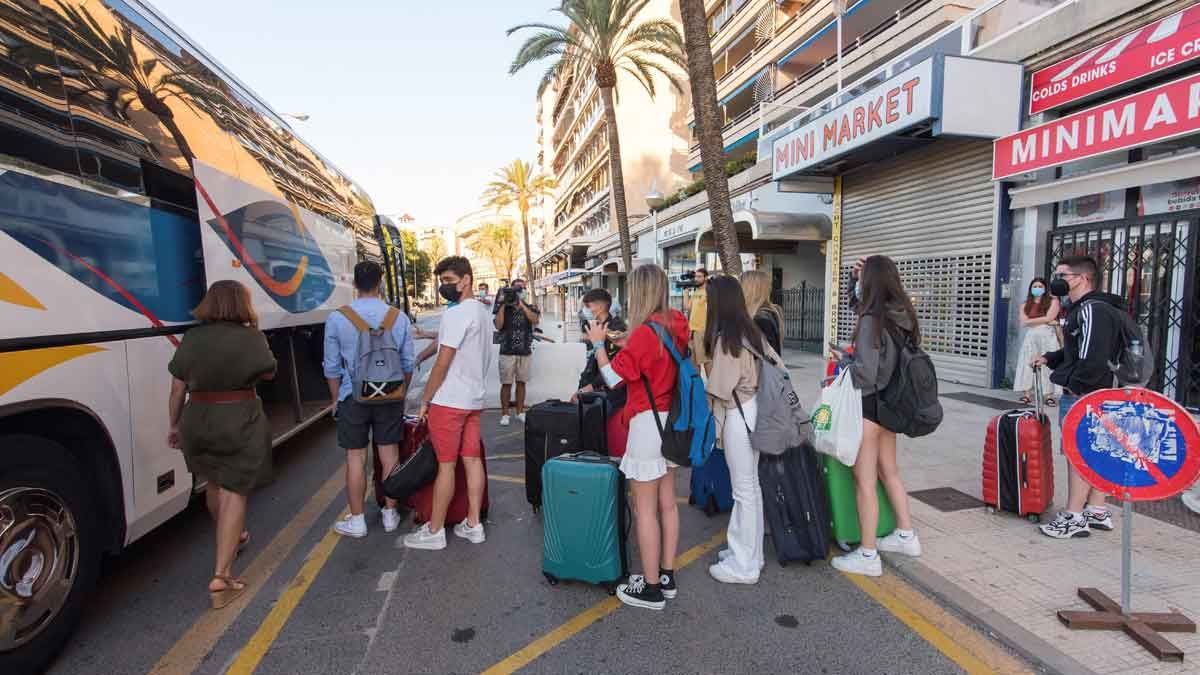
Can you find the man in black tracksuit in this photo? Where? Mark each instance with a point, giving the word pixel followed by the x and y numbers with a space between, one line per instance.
pixel 1092 341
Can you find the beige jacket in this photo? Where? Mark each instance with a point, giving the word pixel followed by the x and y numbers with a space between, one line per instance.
pixel 726 375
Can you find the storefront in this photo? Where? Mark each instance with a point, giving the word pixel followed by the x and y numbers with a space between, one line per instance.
pixel 1116 175
pixel 913 160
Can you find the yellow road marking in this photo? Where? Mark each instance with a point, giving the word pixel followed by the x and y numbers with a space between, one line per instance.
pixel 254 651
pixel 506 479
pixel 587 617
pixel 192 648
pixel 517 455
pixel 960 643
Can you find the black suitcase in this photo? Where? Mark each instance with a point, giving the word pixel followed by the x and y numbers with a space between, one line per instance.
pixel 553 428
pixel 794 504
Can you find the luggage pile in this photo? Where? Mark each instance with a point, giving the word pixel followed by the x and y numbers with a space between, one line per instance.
pixel 411 482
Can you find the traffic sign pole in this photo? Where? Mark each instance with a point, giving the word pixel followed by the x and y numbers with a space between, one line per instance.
pixel 1126 556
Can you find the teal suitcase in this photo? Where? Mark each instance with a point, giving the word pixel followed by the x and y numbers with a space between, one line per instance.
pixel 584 521
pixel 843 509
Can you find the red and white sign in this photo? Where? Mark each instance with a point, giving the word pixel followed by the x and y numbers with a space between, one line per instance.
pixel 891 107
pixel 1157 114
pixel 1150 49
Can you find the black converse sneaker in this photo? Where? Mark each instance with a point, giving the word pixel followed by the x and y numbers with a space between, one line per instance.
pixel 638 593
pixel 666 581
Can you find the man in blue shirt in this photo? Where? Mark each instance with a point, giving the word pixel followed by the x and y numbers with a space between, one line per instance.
pixel 357 423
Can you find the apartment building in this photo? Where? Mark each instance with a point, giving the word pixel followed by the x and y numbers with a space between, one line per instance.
pixel 572 145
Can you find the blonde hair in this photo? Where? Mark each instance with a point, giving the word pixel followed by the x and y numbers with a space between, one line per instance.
pixel 226 300
pixel 647 293
pixel 756 284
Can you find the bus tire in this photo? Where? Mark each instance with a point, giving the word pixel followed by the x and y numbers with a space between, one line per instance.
pixel 43 493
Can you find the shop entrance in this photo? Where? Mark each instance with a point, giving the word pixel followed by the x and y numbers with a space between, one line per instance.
pixel 803 316
pixel 1150 262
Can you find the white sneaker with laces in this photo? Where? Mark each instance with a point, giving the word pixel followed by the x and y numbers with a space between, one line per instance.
pixel 423 539
pixel 391 520
pixel 1098 519
pixel 894 543
pixel 855 562
pixel 505 420
pixel 521 416
pixel 475 535
pixel 351 526
pixel 1066 526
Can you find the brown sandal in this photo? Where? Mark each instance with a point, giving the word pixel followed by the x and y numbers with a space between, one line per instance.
pixel 232 591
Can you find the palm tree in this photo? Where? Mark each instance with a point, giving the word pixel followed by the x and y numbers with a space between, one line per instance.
pixel 497 243
pixel 517 185
pixel 708 129
pixel 603 38
pixel 112 66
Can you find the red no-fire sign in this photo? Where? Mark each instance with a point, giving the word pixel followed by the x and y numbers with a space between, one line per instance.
pixel 1133 444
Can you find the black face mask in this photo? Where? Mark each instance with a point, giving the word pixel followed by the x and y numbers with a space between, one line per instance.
pixel 450 292
pixel 1059 288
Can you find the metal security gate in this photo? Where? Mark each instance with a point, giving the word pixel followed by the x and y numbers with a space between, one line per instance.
pixel 1150 263
pixel 932 211
pixel 803 316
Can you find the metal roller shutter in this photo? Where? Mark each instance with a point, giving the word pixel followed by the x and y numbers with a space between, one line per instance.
pixel 931 210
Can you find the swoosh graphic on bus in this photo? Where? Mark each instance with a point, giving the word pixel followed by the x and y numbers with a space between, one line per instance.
pixel 12 293
pixel 17 367
pixel 282 289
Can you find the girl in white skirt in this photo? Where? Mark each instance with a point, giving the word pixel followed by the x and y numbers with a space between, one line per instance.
pixel 1039 316
pixel 644 363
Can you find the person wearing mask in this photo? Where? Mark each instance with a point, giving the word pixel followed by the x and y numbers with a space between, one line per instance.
pixel 768 316
pixel 483 296
pixel 695 302
pixel 885 315
pixel 646 363
pixel 358 424
pixel 596 304
pixel 1039 316
pixel 1091 341
pixel 731 386
pixel 452 403
pixel 217 419
pixel 515 320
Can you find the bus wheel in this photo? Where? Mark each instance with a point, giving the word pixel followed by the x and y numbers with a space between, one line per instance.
pixel 49 550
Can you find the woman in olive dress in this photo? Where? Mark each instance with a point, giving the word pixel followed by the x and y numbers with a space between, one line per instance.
pixel 222 430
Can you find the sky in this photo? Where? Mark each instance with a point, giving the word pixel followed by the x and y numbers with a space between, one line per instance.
pixel 412 100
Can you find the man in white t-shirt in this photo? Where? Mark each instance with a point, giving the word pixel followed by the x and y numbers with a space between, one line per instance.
pixel 453 401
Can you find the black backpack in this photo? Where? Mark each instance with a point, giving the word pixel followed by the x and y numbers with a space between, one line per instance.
pixel 909 404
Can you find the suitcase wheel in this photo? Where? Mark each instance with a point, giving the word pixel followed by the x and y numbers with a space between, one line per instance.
pixel 1034 517
pixel 710 506
pixel 691 500
pixel 612 588
pixel 537 509
pixel 550 578
pixel 990 508
pixel 844 545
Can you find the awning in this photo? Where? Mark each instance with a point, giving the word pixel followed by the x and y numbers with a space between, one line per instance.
pixel 618 265
pixel 1154 171
pixel 771 231
pixel 557 278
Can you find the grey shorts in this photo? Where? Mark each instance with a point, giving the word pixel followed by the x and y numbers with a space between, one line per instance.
pixel 357 424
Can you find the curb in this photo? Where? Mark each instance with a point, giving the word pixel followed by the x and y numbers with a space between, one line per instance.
pixel 1041 654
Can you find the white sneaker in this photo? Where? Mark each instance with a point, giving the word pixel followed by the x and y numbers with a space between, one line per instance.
pixel 521 416
pixel 1066 526
pixel 475 535
pixel 725 554
pixel 391 520
pixel 423 539
pixel 857 563
pixel 351 526
pixel 722 574
pixel 504 420
pixel 894 543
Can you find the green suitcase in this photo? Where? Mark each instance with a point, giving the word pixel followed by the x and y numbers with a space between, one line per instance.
pixel 843 509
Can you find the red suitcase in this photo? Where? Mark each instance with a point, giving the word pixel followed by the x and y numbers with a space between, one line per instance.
pixel 415 434
pixel 1018 463
pixel 422 502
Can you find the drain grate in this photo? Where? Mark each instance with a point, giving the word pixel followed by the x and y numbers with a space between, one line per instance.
pixel 985 401
pixel 947 499
pixel 1169 510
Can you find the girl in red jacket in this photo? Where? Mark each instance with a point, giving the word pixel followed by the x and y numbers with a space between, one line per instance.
pixel 653 477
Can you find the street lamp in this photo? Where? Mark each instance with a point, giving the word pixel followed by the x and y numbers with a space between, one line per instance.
pixel 655 200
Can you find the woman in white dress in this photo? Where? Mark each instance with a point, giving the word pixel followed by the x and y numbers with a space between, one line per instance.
pixel 1039 316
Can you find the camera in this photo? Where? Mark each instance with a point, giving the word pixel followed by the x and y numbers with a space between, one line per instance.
pixel 687 280
pixel 507 295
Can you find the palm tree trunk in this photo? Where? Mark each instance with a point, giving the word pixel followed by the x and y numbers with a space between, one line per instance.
pixel 528 258
pixel 708 128
pixel 616 180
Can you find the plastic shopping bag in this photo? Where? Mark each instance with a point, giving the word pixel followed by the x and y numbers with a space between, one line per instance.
pixel 837 420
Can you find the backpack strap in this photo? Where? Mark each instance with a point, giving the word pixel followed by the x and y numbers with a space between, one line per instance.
pixel 666 340
pixel 389 319
pixel 353 317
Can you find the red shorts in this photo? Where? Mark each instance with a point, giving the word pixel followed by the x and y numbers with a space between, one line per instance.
pixel 454 432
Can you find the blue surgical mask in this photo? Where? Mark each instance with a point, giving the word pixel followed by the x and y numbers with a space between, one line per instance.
pixel 588 314
pixel 1037 291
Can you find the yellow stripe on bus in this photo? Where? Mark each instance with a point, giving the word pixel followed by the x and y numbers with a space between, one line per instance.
pixel 17 367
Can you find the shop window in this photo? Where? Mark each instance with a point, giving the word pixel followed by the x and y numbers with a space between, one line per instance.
pixel 1093 208
pixel 1173 196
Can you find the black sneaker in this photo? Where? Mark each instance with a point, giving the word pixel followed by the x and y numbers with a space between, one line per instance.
pixel 637 593
pixel 666 582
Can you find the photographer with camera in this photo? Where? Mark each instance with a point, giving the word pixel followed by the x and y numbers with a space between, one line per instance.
pixel 514 320
pixel 695 303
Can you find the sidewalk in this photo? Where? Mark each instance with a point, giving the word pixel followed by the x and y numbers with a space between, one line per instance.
pixel 1002 572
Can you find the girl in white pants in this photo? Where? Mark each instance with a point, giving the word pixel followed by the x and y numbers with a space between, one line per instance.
pixel 731 387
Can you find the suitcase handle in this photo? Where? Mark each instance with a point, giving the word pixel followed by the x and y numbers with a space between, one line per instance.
pixel 604 400
pixel 1039 395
